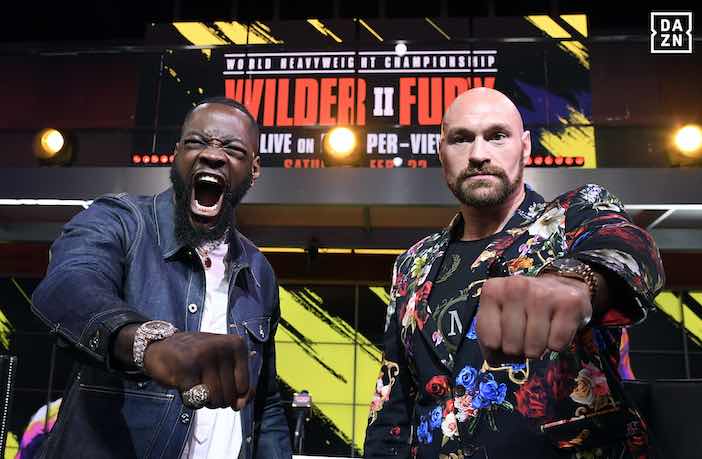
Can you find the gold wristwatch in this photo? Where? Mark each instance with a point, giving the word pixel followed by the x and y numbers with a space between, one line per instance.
pixel 575 269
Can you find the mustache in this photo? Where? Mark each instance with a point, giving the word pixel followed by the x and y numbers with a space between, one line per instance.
pixel 486 170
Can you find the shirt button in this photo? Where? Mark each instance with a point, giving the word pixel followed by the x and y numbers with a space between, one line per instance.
pixel 192 307
pixel 185 418
pixel 460 391
pixel 248 439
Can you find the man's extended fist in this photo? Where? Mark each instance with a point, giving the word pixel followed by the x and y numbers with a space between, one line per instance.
pixel 523 316
pixel 219 361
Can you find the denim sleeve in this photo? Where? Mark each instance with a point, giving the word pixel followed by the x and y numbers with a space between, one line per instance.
pixel 81 299
pixel 272 432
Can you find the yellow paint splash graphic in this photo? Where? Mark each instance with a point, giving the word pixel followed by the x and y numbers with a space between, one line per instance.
pixel 669 303
pixel 577 21
pixel 575 139
pixel 381 293
pixel 578 50
pixel 316 352
pixel 11 446
pixel 551 28
pixel 5 331
pixel 199 34
pixel 324 30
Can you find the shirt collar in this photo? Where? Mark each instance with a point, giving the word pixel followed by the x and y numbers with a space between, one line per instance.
pixel 519 218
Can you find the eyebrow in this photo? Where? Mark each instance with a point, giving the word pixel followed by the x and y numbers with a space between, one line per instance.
pixel 491 128
pixel 224 140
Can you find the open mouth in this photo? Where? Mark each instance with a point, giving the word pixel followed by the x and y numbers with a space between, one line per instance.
pixel 207 195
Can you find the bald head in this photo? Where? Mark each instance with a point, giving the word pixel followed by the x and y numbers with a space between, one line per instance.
pixel 484 103
pixel 483 149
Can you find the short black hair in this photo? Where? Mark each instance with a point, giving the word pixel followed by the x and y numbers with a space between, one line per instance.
pixel 229 103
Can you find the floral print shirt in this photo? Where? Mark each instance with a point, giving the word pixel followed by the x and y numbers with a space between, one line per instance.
pixel 433 403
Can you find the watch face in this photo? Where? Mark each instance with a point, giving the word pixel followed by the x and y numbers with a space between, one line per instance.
pixel 566 263
pixel 157 326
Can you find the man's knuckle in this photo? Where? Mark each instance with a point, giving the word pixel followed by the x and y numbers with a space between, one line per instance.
pixel 511 348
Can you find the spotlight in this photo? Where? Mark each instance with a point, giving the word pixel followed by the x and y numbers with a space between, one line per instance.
pixel 53 147
pixel 340 148
pixel 688 141
pixel 400 49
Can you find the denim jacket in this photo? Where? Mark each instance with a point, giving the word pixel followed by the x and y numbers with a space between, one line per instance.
pixel 119 262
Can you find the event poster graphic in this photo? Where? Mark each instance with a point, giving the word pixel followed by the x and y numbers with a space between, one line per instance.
pixel 393 101
pixel 302 78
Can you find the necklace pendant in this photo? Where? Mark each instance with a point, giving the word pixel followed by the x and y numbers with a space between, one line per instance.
pixel 207 262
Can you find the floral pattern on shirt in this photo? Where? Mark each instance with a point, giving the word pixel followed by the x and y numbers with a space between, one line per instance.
pixel 440 399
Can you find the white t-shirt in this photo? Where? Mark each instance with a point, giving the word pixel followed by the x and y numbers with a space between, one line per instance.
pixel 215 433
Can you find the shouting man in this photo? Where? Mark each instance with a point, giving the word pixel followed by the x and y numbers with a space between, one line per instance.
pixel 171 312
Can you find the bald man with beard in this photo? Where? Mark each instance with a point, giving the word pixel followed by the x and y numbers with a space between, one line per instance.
pixel 502 333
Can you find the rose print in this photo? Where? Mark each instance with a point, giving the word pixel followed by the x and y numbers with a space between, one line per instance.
pixel 437 386
pixel 449 427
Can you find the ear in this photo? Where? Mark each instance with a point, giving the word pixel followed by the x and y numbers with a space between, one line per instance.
pixel 442 143
pixel 526 145
pixel 256 167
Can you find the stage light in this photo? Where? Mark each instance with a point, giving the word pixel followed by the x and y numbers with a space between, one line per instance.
pixel 688 141
pixel 400 49
pixel 52 142
pixel 341 141
pixel 53 147
pixel 340 148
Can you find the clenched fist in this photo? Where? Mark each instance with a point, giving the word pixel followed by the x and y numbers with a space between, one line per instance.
pixel 187 359
pixel 523 316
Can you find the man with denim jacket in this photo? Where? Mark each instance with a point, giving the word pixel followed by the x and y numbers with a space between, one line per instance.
pixel 502 333
pixel 171 312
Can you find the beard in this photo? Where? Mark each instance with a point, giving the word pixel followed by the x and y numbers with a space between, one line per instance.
pixel 194 236
pixel 480 193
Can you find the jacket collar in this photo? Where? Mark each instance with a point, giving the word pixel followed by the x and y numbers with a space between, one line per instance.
pixel 164 216
pixel 524 214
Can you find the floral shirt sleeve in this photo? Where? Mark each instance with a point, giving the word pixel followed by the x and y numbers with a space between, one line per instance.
pixel 600 233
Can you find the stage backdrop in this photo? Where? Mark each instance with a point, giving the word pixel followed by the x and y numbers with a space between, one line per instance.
pixel 301 78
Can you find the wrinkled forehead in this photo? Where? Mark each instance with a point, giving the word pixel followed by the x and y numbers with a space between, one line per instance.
pixel 220 121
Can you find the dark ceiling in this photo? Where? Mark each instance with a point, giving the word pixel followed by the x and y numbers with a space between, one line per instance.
pixel 123 21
